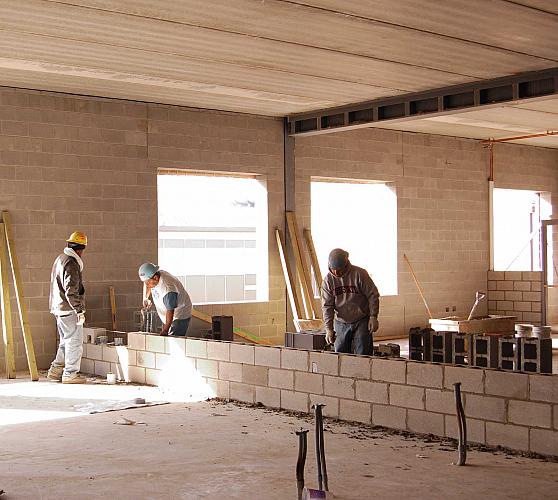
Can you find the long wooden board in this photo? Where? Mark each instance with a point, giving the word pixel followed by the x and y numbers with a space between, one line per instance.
pixel 313 257
pixel 8 334
pixel 292 290
pixel 301 267
pixel 22 309
pixel 112 307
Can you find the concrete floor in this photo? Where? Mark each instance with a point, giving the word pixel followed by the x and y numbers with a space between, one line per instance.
pixel 222 450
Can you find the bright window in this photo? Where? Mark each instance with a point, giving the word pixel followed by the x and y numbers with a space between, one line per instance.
pixel 213 235
pixel 517 222
pixel 360 217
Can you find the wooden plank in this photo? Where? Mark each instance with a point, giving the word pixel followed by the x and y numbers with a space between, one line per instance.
pixel 301 267
pixel 22 309
pixel 292 290
pixel 309 324
pixel 418 286
pixel 313 257
pixel 112 307
pixel 8 333
pixel 237 331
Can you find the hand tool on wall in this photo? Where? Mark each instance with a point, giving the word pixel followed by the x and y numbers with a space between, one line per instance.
pixel 478 297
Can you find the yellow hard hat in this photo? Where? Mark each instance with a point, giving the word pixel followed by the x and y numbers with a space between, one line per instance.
pixel 78 237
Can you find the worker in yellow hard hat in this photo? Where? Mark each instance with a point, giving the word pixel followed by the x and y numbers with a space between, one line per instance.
pixel 68 306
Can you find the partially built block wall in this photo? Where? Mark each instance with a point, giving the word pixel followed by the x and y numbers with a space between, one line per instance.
pixel 516 293
pixel 514 410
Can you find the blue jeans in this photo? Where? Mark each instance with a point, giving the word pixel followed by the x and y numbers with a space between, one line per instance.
pixel 179 327
pixel 353 337
pixel 70 348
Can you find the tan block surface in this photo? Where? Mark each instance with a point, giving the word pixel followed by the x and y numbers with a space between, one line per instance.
pixel 531 414
pixel 485 407
pixel 218 350
pixel 309 382
pixel 242 392
pixel 506 384
pixel 268 356
pixel 406 396
pixel 440 401
pixel 282 379
pixel 230 371
pixel 509 436
pixel 294 359
pixel 339 387
pixel 355 411
pixel 472 379
pixel 544 442
pixel 296 401
pixel 389 371
pixel 389 416
pixel 373 392
pixel 268 397
pixel 475 429
pixel 355 366
pixel 425 374
pixel 255 375
pixel 543 388
pixel 331 408
pixel 241 353
pixel 326 363
pixel 425 422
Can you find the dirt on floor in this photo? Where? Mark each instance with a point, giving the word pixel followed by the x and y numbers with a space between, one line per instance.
pixel 219 449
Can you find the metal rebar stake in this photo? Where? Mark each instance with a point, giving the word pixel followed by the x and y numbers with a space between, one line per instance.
pixel 301 462
pixel 462 425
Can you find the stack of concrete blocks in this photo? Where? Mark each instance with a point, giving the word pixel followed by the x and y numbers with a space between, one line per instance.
pixel 536 355
pixel 514 410
pixel 516 293
pixel 484 351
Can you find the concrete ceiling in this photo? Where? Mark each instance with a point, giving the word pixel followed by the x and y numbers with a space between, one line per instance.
pixel 276 57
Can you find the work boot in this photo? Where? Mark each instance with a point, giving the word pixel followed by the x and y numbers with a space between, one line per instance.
pixel 55 373
pixel 74 378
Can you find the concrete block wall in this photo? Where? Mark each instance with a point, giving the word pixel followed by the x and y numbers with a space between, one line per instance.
pixel 442 197
pixel 516 293
pixel 70 162
pixel 515 410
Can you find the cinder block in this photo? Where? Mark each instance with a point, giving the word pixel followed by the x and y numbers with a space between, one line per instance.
pixel 506 384
pixel 440 401
pixel 242 353
pixel 406 396
pixel 152 377
pixel 163 361
pixel 531 414
pixel 207 368
pixel 485 407
pixel 294 359
pixel 87 366
pixel 387 370
pixel 326 363
pixel 475 429
pixel 230 371
pixel 544 442
pixel 522 306
pixel 296 401
pixel 221 388
pixel 425 422
pixel 309 382
pixel 331 408
pixel 136 374
pixel 425 374
pixel 556 417
pixel 543 388
pixel 269 397
pixel 154 343
pixel 509 436
pixel 496 275
pixel 472 379
pixel 136 341
pixel 131 354
pixel 512 275
pixel 146 359
pixel 523 286
pixel 255 375
pixel 504 285
pixel 218 350
pixel 109 353
pixel 531 275
pixel 196 348
pixel 513 296
pixel 94 352
pixel 389 416
pixel 339 387
pixel 175 346
pixel 355 411
pixel 282 379
pixel 532 296
pixel 355 366
pixel 242 392
pixel 268 356
pixel 372 392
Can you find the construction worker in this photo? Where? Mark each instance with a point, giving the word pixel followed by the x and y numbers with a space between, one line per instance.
pixel 171 300
pixel 68 306
pixel 350 304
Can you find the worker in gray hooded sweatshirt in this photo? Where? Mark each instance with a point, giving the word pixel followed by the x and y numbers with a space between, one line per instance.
pixel 350 303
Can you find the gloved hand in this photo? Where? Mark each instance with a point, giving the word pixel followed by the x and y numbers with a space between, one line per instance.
pixel 330 336
pixel 80 318
pixel 373 324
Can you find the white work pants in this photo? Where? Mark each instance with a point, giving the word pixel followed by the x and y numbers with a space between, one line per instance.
pixel 70 348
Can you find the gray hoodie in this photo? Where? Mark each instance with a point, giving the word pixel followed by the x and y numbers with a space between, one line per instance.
pixel 349 298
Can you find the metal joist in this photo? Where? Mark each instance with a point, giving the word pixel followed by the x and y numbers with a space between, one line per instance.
pixel 447 100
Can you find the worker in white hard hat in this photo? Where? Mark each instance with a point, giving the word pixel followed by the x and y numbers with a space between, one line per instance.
pixel 68 306
pixel 171 300
pixel 350 304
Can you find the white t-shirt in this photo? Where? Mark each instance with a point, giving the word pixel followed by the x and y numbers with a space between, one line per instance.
pixel 168 283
